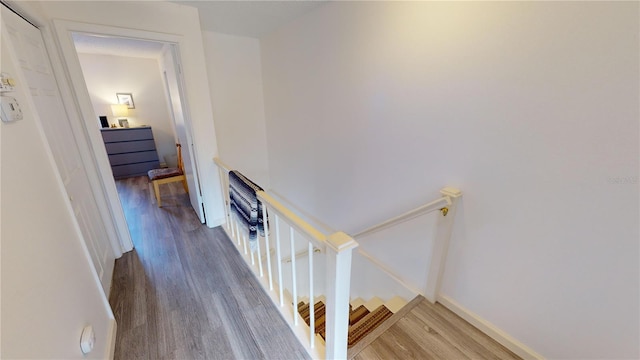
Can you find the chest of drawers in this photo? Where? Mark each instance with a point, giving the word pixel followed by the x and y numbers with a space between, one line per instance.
pixel 131 151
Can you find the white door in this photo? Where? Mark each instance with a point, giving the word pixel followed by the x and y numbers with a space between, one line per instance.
pixel 28 45
pixel 173 84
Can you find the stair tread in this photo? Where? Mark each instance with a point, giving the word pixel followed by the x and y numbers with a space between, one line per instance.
pixel 368 324
pixel 361 320
pixel 357 314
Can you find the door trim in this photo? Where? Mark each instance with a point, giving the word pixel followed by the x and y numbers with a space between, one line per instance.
pixel 63 32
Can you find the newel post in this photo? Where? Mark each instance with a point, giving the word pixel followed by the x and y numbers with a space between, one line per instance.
pixel 339 250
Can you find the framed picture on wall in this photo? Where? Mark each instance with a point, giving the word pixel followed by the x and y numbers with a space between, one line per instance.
pixel 126 98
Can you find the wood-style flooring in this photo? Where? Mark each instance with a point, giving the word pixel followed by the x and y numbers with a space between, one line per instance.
pixel 185 292
pixel 431 331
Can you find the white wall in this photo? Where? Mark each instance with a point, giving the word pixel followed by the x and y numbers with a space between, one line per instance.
pixel 172 19
pixel 531 109
pixel 235 79
pixel 50 290
pixel 107 75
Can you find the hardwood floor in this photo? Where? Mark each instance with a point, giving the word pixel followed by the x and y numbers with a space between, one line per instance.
pixel 185 292
pixel 431 331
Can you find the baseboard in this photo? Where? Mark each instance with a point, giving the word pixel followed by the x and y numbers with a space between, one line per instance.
pixel 491 330
pixel 111 339
pixel 215 222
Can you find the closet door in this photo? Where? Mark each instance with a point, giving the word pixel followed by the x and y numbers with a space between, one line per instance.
pixel 28 45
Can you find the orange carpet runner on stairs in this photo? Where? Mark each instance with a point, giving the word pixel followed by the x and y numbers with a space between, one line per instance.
pixel 361 320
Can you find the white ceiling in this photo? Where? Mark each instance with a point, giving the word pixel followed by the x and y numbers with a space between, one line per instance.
pixel 233 17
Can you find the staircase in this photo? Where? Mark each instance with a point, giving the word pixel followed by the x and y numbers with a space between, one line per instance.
pixel 364 317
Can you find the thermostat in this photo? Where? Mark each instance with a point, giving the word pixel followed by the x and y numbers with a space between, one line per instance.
pixel 11 110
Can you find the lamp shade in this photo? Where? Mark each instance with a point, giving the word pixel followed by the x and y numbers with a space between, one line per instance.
pixel 120 110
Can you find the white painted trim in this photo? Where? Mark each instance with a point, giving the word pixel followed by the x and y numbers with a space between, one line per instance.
pixel 96 29
pixel 111 339
pixel 63 30
pixel 488 328
pixel 215 222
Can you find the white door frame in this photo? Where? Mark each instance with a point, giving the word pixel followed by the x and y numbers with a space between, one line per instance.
pixel 64 30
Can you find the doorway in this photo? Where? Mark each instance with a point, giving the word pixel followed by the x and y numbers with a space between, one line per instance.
pixel 148 72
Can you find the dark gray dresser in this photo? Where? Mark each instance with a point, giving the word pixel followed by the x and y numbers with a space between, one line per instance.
pixel 132 151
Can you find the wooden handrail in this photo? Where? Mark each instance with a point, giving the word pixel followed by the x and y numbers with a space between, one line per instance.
pixel 293 220
pixel 221 164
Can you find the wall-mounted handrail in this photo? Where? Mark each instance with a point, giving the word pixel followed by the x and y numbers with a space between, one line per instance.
pixel 438 204
pixel 301 254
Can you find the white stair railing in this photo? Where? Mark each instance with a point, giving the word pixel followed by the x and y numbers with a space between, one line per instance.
pixel 337 250
pixel 446 204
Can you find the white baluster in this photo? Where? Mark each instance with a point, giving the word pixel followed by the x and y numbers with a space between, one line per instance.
pixel 279 260
pixel 238 236
pixel 233 230
pixel 226 200
pixel 228 210
pixel 259 254
pixel 312 315
pixel 293 277
pixel 251 251
pixel 266 240
pixel 244 242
